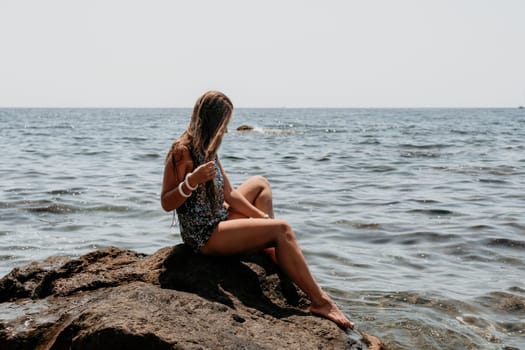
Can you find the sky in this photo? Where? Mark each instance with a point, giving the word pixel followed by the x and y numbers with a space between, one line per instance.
pixel 272 53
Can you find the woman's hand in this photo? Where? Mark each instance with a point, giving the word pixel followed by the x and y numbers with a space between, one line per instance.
pixel 203 173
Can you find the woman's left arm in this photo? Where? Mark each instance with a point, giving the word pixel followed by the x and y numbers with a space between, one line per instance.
pixel 237 201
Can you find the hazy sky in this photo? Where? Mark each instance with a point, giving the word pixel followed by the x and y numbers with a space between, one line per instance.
pixel 272 53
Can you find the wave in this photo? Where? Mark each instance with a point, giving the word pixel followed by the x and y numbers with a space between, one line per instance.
pixel 493 181
pixel 505 243
pixel 423 236
pixel 47 127
pixel 147 156
pixel 425 201
pixel 232 157
pixel 367 226
pixel 515 225
pixel 424 147
pixel 380 168
pixel 502 301
pixel 481 227
pixel 420 154
pixel 433 212
pixel 68 191
pixel 359 225
pixel 370 142
pixel 134 139
pixel 54 208
pixel 499 170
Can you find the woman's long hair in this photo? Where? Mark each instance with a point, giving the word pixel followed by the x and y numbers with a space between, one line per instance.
pixel 208 123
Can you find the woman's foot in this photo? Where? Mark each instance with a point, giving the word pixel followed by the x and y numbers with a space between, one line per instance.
pixel 327 308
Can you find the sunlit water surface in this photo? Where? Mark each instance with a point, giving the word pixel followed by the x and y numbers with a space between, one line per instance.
pixel 412 219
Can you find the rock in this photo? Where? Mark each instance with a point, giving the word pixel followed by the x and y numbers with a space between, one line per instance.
pixel 245 128
pixel 173 299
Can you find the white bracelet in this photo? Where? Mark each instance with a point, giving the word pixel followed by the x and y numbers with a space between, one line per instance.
pixel 182 192
pixel 187 183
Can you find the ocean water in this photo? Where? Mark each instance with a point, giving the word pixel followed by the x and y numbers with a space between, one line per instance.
pixel 412 219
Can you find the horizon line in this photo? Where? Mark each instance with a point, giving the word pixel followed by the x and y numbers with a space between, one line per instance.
pixel 267 107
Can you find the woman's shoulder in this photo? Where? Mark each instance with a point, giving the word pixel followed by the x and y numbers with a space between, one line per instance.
pixel 180 152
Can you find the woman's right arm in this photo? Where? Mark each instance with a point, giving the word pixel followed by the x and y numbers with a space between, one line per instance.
pixel 174 172
pixel 174 175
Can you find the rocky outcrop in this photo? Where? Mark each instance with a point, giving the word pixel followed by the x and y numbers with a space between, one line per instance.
pixel 174 299
pixel 245 128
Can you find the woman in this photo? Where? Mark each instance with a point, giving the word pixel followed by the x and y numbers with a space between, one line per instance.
pixel 216 219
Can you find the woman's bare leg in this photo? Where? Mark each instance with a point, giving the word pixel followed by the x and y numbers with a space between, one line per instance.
pixel 257 191
pixel 248 235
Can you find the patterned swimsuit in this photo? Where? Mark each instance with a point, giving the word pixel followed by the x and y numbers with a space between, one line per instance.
pixel 197 215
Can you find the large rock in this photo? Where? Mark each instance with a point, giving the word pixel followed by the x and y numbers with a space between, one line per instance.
pixel 174 299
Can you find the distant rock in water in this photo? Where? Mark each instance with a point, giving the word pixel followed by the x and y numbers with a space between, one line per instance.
pixel 245 128
pixel 173 299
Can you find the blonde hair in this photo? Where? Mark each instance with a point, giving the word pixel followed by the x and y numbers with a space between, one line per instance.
pixel 209 120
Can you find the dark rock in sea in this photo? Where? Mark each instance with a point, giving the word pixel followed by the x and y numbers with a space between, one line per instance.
pixel 245 128
pixel 173 299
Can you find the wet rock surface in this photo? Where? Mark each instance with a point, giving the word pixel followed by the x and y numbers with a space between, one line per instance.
pixel 245 128
pixel 173 299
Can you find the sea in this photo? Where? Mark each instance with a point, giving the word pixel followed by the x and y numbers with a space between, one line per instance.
pixel 413 220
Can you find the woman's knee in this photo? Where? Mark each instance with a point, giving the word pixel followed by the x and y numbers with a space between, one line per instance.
pixel 261 181
pixel 285 231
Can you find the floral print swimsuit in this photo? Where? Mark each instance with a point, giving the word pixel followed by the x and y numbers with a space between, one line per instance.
pixel 197 215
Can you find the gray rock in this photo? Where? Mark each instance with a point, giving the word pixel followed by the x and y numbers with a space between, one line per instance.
pixel 173 299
